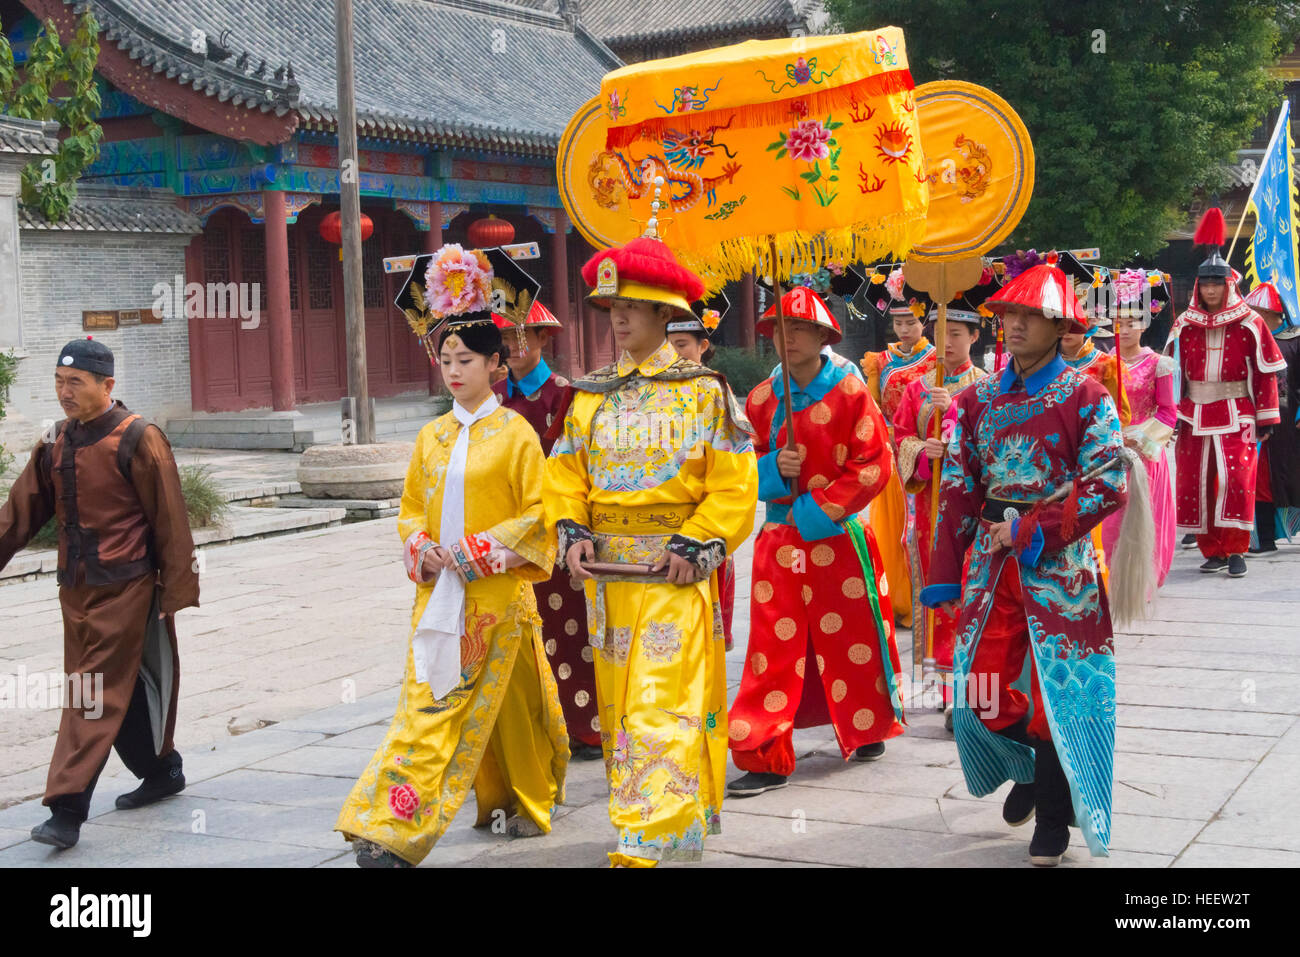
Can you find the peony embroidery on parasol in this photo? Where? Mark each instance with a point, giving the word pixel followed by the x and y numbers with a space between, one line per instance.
pixel 805 148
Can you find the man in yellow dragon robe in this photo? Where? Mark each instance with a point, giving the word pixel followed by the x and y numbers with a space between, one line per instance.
pixel 656 468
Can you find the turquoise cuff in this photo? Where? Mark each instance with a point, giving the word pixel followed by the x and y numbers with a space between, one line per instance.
pixel 813 523
pixel 771 485
pixel 1031 553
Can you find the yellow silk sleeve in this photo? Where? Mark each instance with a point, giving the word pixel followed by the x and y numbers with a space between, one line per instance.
pixel 871 371
pixel 726 510
pixel 527 533
pixel 1110 378
pixel 412 517
pixel 566 485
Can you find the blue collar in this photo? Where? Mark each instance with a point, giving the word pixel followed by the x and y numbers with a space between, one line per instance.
pixel 825 380
pixel 1037 381
pixel 529 383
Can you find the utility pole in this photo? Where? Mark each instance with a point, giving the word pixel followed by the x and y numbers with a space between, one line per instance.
pixel 350 210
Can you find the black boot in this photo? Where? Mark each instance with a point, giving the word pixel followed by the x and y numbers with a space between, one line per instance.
pixel 1265 529
pixel 153 789
pixel 1052 791
pixel 62 830
pixel 1018 808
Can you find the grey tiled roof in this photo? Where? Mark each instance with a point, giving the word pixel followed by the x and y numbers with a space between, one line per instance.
pixel 117 209
pixel 27 136
pixel 426 69
pixel 623 22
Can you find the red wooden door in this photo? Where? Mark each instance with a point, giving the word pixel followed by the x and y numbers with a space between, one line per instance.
pixel 324 357
pixel 231 349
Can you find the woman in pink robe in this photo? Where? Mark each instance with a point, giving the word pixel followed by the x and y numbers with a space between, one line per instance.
pixel 1149 385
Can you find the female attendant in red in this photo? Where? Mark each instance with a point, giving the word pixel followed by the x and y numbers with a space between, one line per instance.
pixel 821 641
pixel 539 395
pixel 1277 485
pixel 1032 593
pixel 1228 403
pixel 690 337
pixel 888 375
pixel 920 455
pixel 1149 385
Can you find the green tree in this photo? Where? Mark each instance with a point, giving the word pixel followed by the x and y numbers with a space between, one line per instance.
pixel 1132 106
pixel 57 83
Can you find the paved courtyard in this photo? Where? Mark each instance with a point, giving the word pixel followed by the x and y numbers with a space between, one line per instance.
pixel 290 673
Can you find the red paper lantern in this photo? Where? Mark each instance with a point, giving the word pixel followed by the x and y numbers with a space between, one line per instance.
pixel 331 228
pixel 486 233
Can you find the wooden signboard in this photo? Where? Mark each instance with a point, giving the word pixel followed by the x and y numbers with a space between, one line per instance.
pixel 92 321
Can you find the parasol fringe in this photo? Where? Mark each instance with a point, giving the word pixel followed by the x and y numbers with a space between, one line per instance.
pixel 801 251
pixel 766 114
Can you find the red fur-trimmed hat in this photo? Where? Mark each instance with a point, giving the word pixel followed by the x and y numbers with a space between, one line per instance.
pixel 1044 288
pixel 803 304
pixel 643 270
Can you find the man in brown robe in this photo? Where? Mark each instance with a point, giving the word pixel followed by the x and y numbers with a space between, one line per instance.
pixel 126 566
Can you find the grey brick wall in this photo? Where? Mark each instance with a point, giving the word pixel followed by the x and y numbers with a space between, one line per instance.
pixel 64 273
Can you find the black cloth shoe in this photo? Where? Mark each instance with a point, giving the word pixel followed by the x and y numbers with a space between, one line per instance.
pixel 870 752
pixel 1018 808
pixel 1053 807
pixel 1237 566
pixel 1214 565
pixel 1268 549
pixel 1189 541
pixel 756 782
pixel 585 752
pixel 62 830
pixel 152 791
pixel 370 855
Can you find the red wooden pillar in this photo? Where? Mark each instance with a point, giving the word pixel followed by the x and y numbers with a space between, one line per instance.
pixel 748 336
pixel 560 303
pixel 432 242
pixel 280 331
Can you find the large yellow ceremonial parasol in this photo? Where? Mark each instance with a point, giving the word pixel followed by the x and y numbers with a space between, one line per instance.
pixel 980 166
pixel 778 156
pixel 808 144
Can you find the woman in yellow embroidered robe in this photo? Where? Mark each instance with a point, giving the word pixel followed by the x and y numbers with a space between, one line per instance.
pixel 500 729
pixel 652 455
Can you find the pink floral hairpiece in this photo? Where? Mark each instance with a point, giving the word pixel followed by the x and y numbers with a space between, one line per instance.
pixel 457 281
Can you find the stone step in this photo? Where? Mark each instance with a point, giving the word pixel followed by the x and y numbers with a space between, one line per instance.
pixel 242 523
pixel 283 430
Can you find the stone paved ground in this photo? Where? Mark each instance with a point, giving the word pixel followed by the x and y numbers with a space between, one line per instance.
pixel 1208 743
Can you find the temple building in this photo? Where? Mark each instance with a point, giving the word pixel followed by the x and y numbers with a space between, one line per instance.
pixel 219 166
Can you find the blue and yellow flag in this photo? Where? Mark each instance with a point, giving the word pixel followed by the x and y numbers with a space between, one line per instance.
pixel 1273 256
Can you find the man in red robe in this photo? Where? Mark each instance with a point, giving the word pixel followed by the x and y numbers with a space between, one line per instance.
pixel 821 640
pixel 1229 402
pixel 540 396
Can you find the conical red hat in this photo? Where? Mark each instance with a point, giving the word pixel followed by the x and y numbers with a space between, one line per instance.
pixel 1264 296
pixel 801 303
pixel 1046 289
pixel 538 317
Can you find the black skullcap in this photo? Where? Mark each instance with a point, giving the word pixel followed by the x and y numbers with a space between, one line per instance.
pixel 88 355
